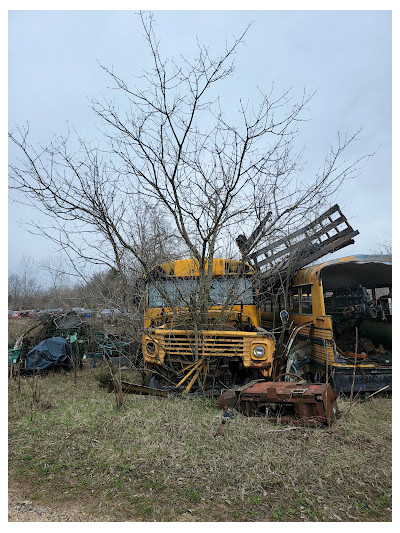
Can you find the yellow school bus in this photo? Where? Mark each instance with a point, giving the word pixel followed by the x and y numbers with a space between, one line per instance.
pixel 346 308
pixel 228 349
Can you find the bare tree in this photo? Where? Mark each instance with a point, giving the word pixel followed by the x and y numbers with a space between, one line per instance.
pixel 24 285
pixel 173 151
pixel 382 248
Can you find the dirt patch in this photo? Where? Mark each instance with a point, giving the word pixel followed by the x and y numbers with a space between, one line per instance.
pixel 22 509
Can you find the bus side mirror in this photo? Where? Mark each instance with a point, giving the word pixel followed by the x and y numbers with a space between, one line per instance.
pixel 284 316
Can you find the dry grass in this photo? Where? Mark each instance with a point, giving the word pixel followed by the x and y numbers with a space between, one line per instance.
pixel 157 459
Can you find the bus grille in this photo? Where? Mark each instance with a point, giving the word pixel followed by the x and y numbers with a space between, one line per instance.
pixel 216 345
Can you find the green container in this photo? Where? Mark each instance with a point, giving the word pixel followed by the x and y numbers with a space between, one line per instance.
pixel 13 356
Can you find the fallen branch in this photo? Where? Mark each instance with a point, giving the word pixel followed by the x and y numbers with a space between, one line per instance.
pixel 286 429
pixel 18 342
pixel 373 394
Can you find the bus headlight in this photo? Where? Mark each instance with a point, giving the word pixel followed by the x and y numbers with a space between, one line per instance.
pixel 258 351
pixel 150 348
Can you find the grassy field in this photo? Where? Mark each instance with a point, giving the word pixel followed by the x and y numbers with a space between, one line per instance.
pixel 158 459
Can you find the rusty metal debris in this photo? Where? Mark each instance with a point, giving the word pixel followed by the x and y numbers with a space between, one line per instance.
pixel 221 428
pixel 305 404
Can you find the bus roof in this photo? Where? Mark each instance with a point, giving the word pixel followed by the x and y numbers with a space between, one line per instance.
pixel 367 270
pixel 190 268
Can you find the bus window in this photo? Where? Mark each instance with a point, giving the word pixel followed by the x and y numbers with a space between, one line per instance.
pixel 294 301
pixel 267 304
pixel 306 300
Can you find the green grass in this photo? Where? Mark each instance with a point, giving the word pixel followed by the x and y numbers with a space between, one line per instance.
pixel 158 459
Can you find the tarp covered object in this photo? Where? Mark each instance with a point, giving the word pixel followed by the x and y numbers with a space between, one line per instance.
pixel 50 353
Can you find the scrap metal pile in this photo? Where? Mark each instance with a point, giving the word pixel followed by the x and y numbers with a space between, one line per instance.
pixel 53 341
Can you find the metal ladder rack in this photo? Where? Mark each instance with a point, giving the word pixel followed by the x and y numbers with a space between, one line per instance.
pixel 289 254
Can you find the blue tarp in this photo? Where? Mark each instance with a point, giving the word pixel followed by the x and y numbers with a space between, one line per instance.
pixel 50 353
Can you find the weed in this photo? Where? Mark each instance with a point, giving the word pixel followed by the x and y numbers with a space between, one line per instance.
pixel 255 499
pixel 146 509
pixel 190 493
pixel 384 500
pixel 159 486
pixel 361 505
pixel 277 514
pixel 312 513
pixel 133 498
pixel 103 379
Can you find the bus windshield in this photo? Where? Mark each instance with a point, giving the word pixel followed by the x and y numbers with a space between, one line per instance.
pixel 182 292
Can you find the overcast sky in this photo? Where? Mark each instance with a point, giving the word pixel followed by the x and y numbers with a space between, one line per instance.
pixel 344 55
